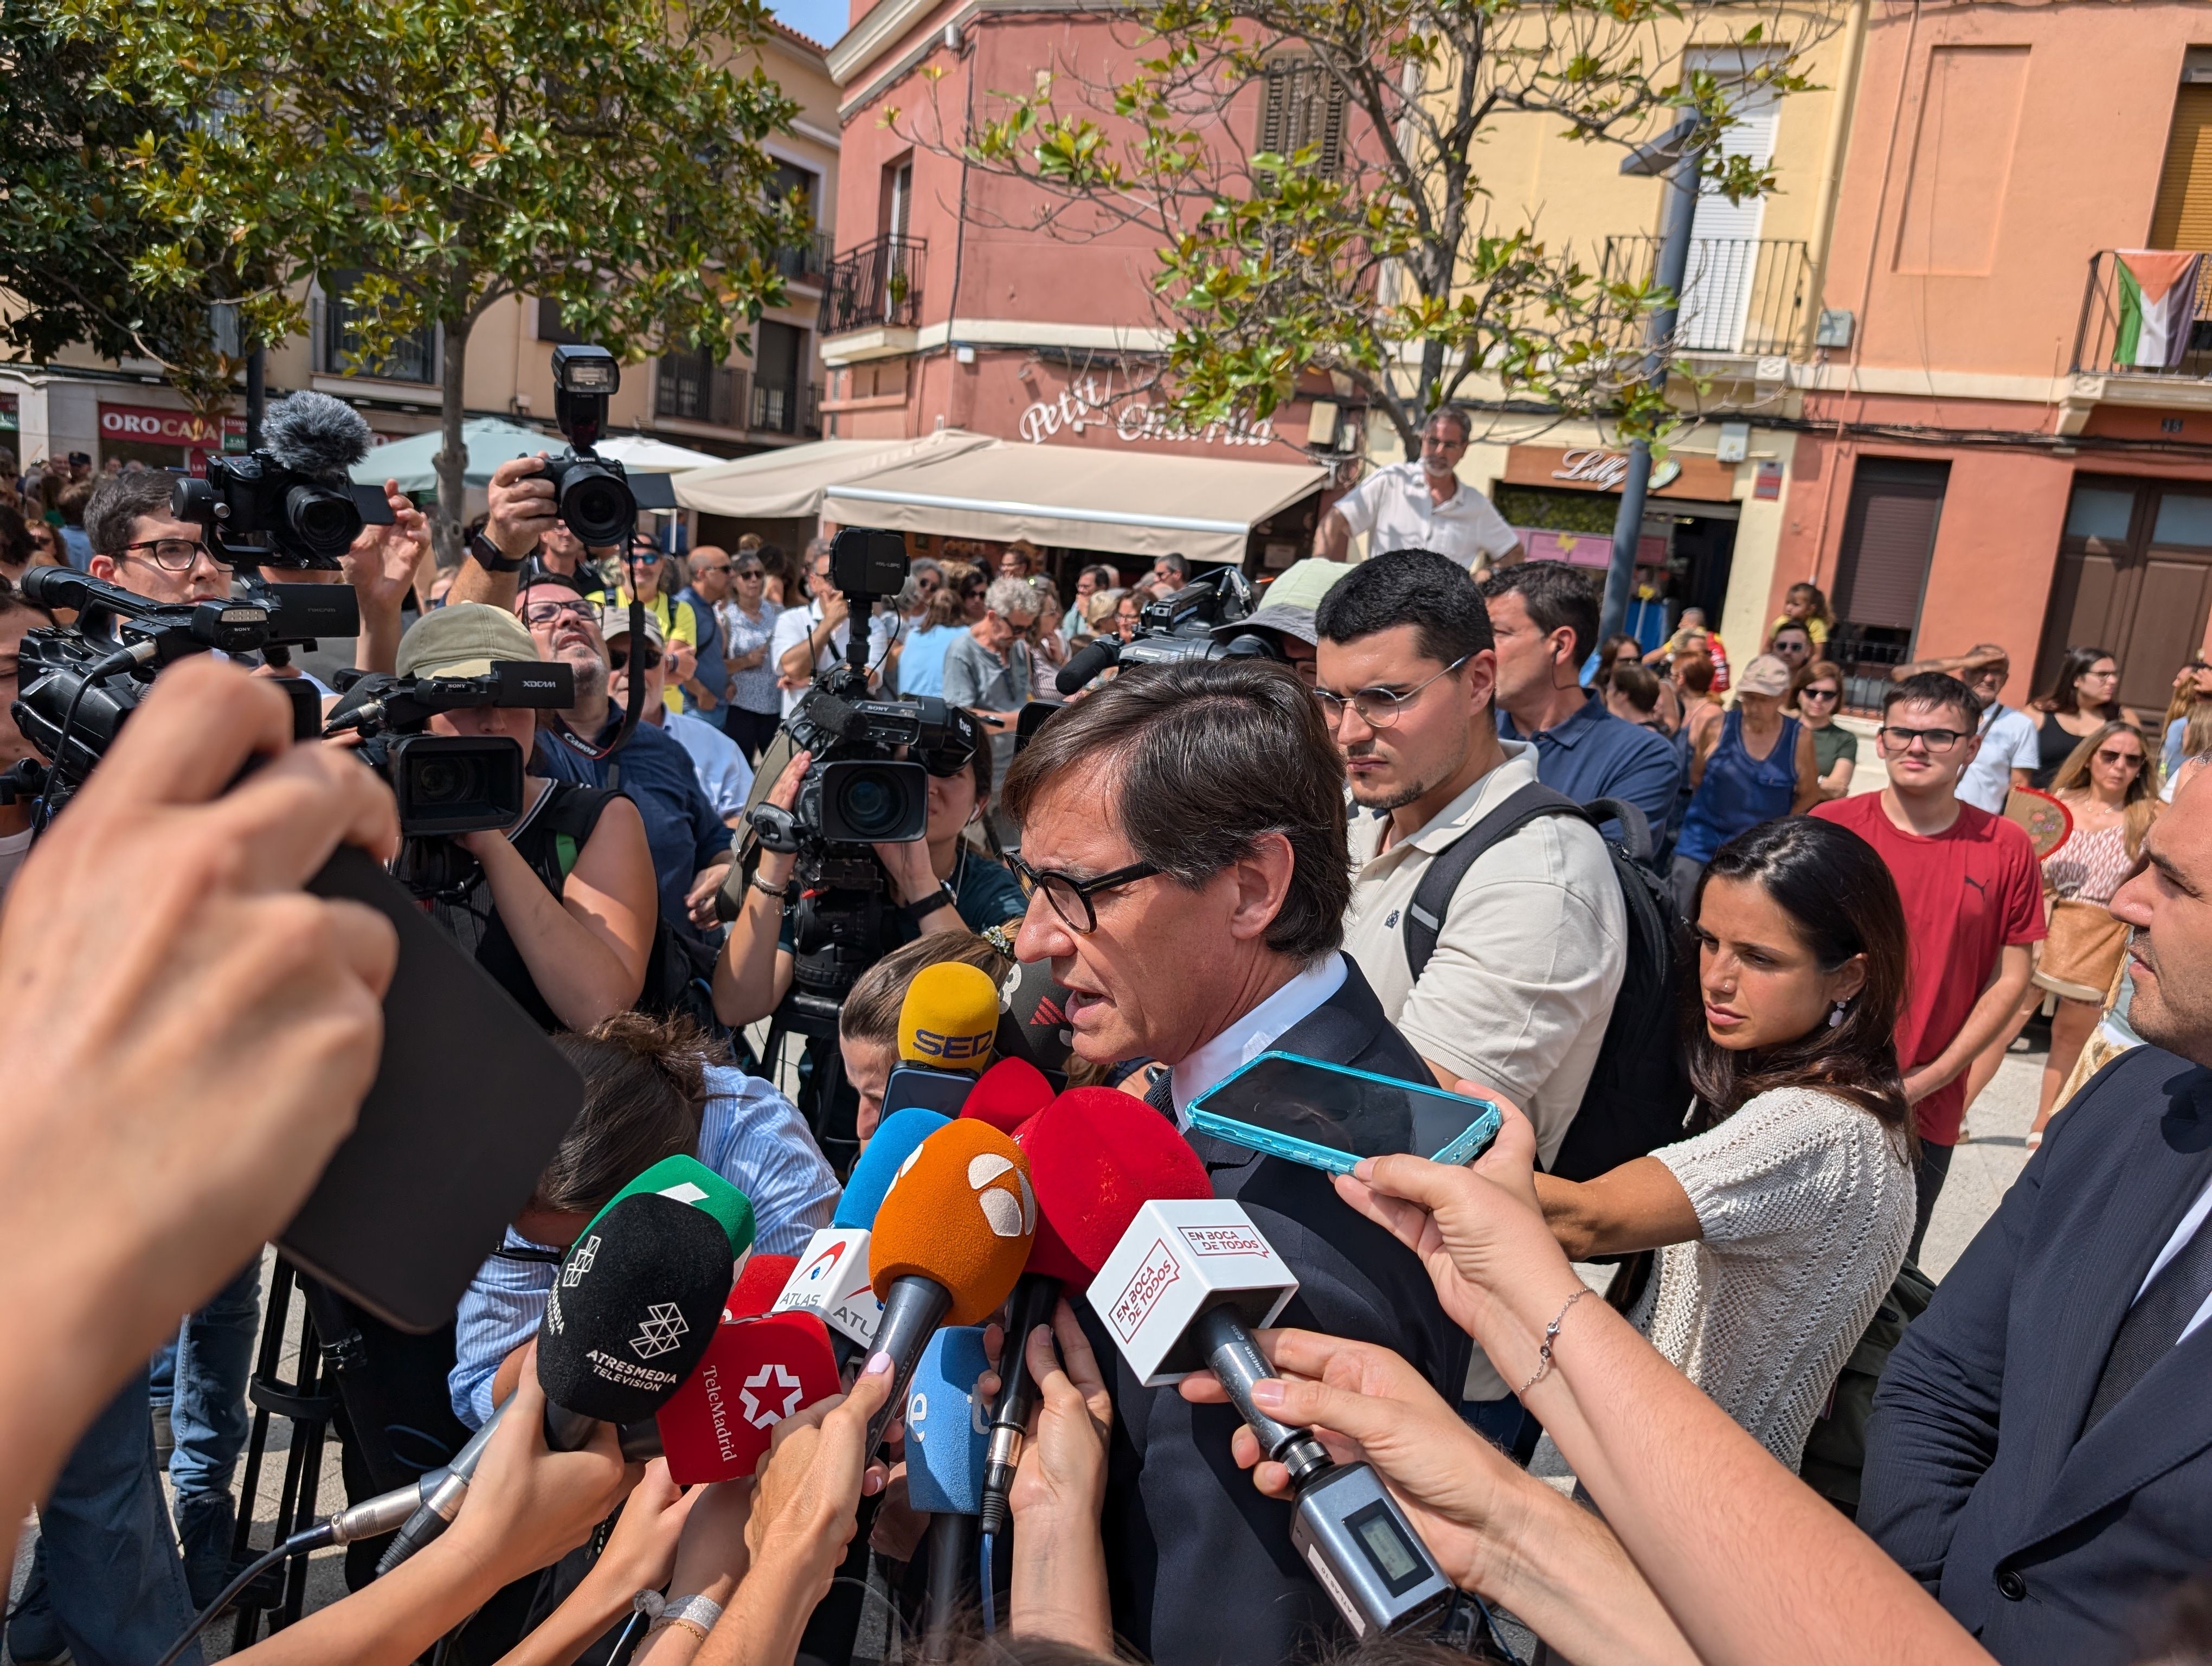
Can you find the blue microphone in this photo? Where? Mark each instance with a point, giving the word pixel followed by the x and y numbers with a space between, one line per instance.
pixel 895 1140
pixel 948 1439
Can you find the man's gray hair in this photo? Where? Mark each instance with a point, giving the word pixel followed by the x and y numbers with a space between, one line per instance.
pixel 118 501
pixel 816 546
pixel 1011 599
pixel 1457 415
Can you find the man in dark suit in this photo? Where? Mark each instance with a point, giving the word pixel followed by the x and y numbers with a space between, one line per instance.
pixel 2040 1454
pixel 1183 842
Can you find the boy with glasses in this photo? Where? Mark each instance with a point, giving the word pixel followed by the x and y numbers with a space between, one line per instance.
pixel 2008 753
pixel 1973 906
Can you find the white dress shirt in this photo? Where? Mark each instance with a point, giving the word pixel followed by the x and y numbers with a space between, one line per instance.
pixel 2192 1224
pixel 1248 1037
pixel 1393 505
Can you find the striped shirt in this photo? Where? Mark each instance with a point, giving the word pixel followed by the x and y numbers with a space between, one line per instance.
pixel 748 1133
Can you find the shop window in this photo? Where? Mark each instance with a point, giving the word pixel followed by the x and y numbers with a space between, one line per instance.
pixel 2183 520
pixel 550 327
pixel 1302 105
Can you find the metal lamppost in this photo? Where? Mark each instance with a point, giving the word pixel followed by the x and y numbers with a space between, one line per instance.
pixel 1672 156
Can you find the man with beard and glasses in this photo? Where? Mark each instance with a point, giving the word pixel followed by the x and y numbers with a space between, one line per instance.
pixel 1532 950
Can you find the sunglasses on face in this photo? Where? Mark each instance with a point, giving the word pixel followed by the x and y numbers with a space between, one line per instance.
pixel 749 572
pixel 723 568
pixel 1817 694
pixel 648 657
pixel 2105 755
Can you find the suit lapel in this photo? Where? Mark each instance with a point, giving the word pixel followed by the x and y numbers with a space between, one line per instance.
pixel 2167 1418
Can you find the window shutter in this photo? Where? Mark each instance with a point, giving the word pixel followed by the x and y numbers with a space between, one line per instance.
pixel 2183 217
pixel 1890 535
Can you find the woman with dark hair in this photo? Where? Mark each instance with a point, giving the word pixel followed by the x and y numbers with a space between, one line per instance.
pixel 1779 1226
pixel 1816 693
pixel 2080 698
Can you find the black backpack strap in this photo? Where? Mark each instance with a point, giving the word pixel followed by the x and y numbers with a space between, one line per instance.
pixel 1425 914
pixel 1635 825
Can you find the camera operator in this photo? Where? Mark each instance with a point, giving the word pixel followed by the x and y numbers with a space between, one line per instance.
pixel 809 640
pixel 138 544
pixel 522 523
pixel 16 616
pixel 569 943
pixel 1184 843
pixel 939 883
pixel 687 840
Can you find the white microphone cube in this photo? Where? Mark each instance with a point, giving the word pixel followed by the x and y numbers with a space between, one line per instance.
pixel 1180 1258
pixel 831 1282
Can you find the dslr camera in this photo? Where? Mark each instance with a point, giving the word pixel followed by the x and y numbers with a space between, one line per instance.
pixel 447 784
pixel 594 495
pixel 868 783
pixel 1187 625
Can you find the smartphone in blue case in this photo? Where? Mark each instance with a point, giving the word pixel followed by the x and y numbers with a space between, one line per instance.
pixel 1329 1116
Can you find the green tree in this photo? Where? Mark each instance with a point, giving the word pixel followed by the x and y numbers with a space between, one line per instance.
pixel 72 231
pixel 431 157
pixel 1358 236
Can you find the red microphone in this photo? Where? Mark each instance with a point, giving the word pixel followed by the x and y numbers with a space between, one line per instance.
pixel 760 1282
pixel 1007 1095
pixel 1096 1156
pixel 756 1371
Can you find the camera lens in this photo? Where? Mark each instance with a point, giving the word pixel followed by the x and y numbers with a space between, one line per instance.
pixel 597 505
pixel 873 804
pixel 441 782
pixel 327 522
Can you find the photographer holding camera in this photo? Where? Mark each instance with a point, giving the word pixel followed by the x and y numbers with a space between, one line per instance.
pixel 568 938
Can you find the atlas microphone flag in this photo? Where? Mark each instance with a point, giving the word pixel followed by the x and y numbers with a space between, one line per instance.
pixel 831 1277
pixel 2158 306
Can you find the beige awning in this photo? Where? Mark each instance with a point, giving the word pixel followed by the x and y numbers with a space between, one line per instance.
pixel 1123 501
pixel 790 481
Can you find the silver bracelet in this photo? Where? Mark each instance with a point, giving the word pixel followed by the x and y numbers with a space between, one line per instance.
pixel 1544 1351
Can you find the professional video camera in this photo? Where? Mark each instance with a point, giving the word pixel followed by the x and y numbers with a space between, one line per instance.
pixel 595 495
pixel 1182 626
pixel 447 784
pixel 292 502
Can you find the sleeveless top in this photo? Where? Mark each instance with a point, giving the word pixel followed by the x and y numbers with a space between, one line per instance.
pixel 564 811
pixel 2089 867
pixel 1739 791
pixel 2053 746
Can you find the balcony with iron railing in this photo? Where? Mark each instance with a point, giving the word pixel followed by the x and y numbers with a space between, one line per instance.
pixel 693 387
pixel 2151 319
pixel 1741 296
pixel 804 261
pixel 877 286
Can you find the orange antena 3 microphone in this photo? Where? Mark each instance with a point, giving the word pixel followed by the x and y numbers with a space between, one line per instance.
pixel 948 1026
pixel 952 1237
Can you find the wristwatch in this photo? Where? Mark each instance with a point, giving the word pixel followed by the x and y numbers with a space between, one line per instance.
pixel 942 897
pixel 490 557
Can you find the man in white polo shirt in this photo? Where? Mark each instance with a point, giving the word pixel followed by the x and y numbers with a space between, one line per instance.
pixel 1423 506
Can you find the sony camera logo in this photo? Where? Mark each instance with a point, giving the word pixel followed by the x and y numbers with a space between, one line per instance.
pixel 1158 1269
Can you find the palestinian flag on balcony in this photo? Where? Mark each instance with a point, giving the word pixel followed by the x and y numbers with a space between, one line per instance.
pixel 2158 304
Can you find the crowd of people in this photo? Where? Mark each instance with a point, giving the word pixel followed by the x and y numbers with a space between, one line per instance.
pixel 1734 1014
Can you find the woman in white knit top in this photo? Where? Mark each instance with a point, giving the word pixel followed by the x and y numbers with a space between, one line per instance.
pixel 1780 1226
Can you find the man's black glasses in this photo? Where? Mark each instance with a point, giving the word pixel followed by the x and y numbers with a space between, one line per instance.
pixel 1070 896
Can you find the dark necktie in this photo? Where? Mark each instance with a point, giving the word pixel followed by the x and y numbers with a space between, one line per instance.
pixel 2155 1322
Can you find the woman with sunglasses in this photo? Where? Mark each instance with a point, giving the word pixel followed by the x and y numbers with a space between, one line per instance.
pixel 755 706
pixel 942 882
pixel 2110 788
pixel 1817 693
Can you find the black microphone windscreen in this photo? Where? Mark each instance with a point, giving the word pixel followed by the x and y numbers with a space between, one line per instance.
pixel 317 435
pixel 1034 1026
pixel 1087 665
pixel 633 1308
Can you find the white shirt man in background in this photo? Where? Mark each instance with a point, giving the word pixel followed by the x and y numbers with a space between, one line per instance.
pixel 1423 506
pixel 809 640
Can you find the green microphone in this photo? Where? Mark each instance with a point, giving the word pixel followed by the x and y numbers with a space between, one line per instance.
pixel 687 1180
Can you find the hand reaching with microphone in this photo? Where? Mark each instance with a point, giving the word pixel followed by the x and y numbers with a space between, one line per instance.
pixel 187 1034
pixel 638 1556
pixel 1492 1528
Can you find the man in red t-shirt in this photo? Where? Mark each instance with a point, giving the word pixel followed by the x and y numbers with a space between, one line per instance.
pixel 1973 904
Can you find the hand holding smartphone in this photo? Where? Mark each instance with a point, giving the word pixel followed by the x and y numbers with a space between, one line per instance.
pixel 1329 1116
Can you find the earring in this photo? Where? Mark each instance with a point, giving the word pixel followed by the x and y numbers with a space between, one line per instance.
pixel 1836 1016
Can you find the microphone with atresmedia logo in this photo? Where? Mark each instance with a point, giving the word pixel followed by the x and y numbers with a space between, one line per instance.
pixel 1182 1292
pixel 633 1305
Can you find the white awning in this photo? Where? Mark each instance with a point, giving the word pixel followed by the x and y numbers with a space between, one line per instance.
pixel 773 485
pixel 1123 501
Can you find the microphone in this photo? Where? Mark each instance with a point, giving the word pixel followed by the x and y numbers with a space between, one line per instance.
pixel 1182 1292
pixel 1034 1024
pixel 758 1283
pixel 1008 1094
pixel 948 1243
pixel 315 434
pixel 1094 1157
pixel 637 1301
pixel 1083 666
pixel 756 1372
pixel 830 1279
pixel 947 1027
pixel 944 1450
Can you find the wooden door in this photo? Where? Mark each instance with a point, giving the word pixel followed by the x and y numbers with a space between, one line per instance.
pixel 2134 578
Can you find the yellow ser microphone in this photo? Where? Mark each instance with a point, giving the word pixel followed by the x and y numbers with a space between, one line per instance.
pixel 947 1027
